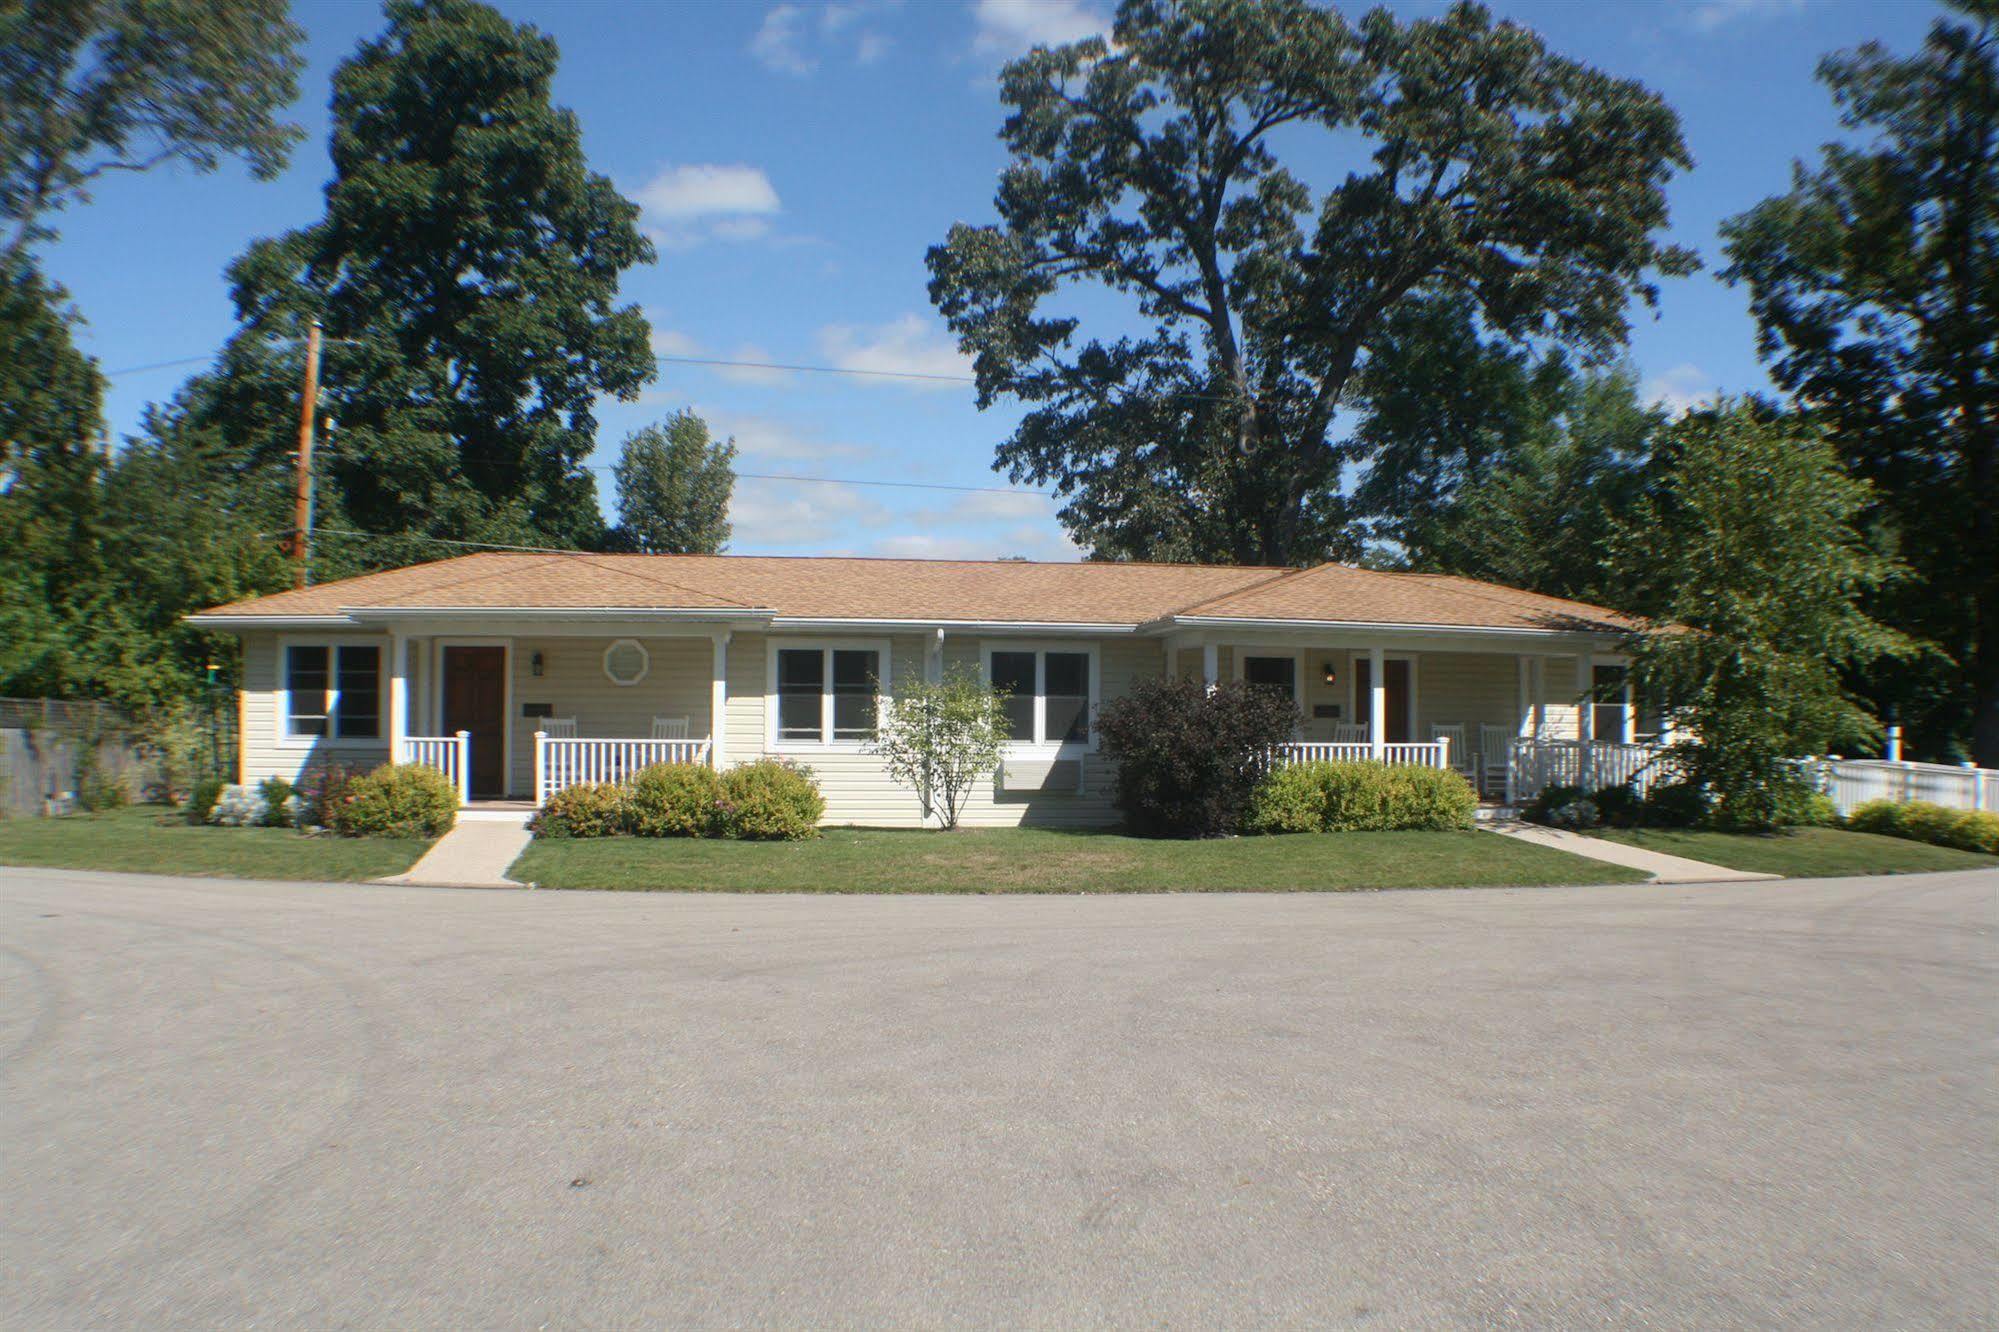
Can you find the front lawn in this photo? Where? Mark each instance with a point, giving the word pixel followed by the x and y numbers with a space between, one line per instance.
pixel 1026 860
pixel 1803 853
pixel 149 839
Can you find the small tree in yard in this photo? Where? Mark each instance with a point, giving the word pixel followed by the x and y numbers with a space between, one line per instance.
pixel 1752 553
pixel 1189 758
pixel 942 739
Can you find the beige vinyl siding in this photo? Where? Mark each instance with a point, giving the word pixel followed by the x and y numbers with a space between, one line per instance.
pixel 266 753
pixel 573 683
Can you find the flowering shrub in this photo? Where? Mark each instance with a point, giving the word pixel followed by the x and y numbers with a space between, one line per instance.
pixel 239 806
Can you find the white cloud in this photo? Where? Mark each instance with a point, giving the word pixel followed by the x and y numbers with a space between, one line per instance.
pixel 1712 14
pixel 1683 387
pixel 768 438
pixel 1009 27
pixel 681 193
pixel 767 514
pixel 780 41
pixel 673 342
pixel 910 345
pixel 794 39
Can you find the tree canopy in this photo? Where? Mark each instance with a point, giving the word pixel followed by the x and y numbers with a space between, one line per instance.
pixel 89 87
pixel 674 484
pixel 1525 183
pixel 1875 281
pixel 466 271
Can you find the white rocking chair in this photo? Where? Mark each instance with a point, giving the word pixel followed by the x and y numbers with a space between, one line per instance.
pixel 1459 754
pixel 1495 754
pixel 559 728
pixel 669 728
pixel 1349 733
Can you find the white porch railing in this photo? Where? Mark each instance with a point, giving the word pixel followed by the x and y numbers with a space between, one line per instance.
pixel 1427 754
pixel 1535 764
pixel 449 754
pixel 561 762
pixel 1852 782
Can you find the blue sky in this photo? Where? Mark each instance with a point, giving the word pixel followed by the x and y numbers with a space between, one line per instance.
pixel 794 162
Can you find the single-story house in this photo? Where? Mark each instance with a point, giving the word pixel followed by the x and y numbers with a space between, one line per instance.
pixel 520 673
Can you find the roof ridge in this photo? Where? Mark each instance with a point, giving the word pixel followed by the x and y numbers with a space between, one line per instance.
pixel 1484 591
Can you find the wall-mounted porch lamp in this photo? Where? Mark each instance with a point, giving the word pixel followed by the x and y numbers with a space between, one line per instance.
pixel 535 664
pixel 1332 676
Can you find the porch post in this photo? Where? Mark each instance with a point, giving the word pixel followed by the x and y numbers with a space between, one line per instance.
pixel 933 657
pixel 399 694
pixel 1211 665
pixel 1585 721
pixel 1524 724
pixel 1377 702
pixel 718 703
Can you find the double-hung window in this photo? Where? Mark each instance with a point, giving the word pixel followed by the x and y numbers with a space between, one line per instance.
pixel 333 691
pixel 1048 692
pixel 827 694
pixel 1277 674
pixel 1610 713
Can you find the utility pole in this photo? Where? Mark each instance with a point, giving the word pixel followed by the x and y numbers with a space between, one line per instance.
pixel 302 504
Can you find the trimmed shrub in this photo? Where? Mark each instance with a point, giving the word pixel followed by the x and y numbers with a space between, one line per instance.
pixel 201 800
pixel 590 809
pixel 771 801
pixel 1921 821
pixel 98 792
pixel 280 804
pixel 674 800
pixel 1577 814
pixel 1290 800
pixel 1618 806
pixel 1360 795
pixel 1189 760
pixel 1674 805
pixel 1799 806
pixel 397 800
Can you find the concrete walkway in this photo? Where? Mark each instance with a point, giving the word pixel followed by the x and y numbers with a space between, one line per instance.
pixel 1663 868
pixel 474 854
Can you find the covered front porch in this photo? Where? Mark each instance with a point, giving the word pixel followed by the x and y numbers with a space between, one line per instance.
pixel 515 716
pixel 1512 712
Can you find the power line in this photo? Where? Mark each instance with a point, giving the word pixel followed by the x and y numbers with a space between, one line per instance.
pixel 156 365
pixel 442 541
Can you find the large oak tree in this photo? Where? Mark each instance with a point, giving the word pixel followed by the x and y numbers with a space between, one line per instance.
pixel 1461 158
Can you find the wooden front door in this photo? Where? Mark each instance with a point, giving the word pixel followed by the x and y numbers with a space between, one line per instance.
pixel 475 701
pixel 1401 720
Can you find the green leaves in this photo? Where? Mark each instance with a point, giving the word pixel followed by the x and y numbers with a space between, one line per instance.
pixel 1752 555
pixel 467 272
pixel 1526 183
pixel 93 86
pixel 673 489
pixel 1875 282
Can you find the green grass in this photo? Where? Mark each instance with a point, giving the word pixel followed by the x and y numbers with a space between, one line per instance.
pixel 1803 853
pixel 1023 860
pixel 150 839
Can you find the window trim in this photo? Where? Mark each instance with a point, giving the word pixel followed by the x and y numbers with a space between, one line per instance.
pixel 1040 647
pixel 826 743
pixel 645 662
pixel 282 692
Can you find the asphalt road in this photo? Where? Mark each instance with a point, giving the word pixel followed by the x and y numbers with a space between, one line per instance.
pixel 288 1105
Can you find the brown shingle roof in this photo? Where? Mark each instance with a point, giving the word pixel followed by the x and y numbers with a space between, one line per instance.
pixel 841 588
pixel 1373 596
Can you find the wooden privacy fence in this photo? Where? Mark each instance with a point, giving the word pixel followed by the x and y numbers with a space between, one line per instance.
pixel 48 746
